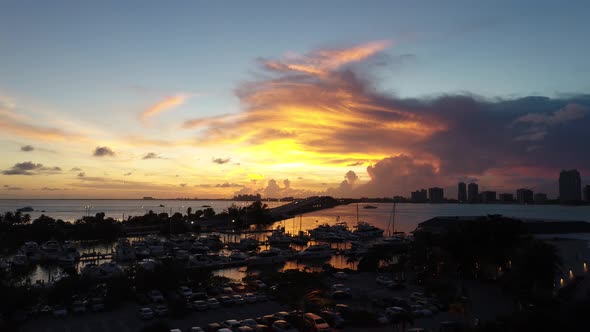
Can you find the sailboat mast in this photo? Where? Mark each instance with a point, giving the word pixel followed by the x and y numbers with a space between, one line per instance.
pixel 357 212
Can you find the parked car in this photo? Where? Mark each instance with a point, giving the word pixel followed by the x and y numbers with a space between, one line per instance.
pixel 332 317
pixel 231 324
pixel 259 284
pixel 245 329
pixel 213 327
pixel 96 304
pixel 175 330
pixel 195 329
pixel 155 296
pixel 383 280
pixel 341 294
pixel 283 326
pixel 161 310
pixel 145 313
pixel 227 290
pixel 250 298
pixel 78 307
pixel 394 311
pixel 212 303
pixel 340 275
pixel 185 292
pixel 224 330
pixel 266 320
pixel 249 322
pixel 281 315
pixel 226 300
pixel 199 305
pixel 60 311
pixel 316 323
pixel 238 299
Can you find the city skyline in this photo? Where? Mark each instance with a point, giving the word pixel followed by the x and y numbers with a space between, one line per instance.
pixel 118 100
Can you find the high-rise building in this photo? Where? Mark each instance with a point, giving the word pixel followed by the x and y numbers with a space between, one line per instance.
pixel 524 196
pixel 487 196
pixel 472 193
pixel 570 186
pixel 436 195
pixel 462 192
pixel 540 198
pixel 587 193
pixel 506 198
pixel 419 196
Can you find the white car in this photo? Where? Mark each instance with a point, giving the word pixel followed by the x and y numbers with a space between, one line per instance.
pixel 145 313
pixel 283 326
pixel 250 298
pixel 155 296
pixel 200 305
pixel 175 330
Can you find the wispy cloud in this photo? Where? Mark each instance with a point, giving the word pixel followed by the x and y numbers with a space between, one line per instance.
pixel 164 105
pixel 151 155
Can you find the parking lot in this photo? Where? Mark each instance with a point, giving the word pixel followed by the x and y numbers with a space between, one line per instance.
pixel 125 318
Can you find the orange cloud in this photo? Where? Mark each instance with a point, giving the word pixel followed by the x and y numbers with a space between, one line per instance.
pixel 37 132
pixel 164 105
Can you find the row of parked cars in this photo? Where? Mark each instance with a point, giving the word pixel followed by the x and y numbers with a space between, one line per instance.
pixel 278 322
pixel 418 305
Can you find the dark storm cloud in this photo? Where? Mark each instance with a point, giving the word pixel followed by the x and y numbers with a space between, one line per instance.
pixel 27 148
pixel 103 151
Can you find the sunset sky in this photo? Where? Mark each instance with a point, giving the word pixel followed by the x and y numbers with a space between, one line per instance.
pixel 113 99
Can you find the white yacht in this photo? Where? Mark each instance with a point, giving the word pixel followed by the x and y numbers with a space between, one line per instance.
pixel 19 260
pixel 267 257
pixel 279 238
pixel 316 251
pixel 365 230
pixel 50 250
pixel 237 255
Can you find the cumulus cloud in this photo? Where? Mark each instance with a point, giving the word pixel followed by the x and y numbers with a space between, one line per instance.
pixel 27 148
pixel 103 151
pixel 30 168
pixel 221 161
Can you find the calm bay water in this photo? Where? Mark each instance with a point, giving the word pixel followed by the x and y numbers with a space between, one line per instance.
pixel 72 209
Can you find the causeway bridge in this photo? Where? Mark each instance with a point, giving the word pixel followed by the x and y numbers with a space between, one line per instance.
pixel 309 204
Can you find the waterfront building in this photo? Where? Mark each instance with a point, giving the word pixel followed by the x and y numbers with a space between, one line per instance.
pixel 419 196
pixel 487 196
pixel 570 187
pixel 587 193
pixel 540 198
pixel 506 198
pixel 436 195
pixel 524 196
pixel 473 193
pixel 462 192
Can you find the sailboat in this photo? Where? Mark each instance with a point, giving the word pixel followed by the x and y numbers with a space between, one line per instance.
pixel 301 238
pixel 393 237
